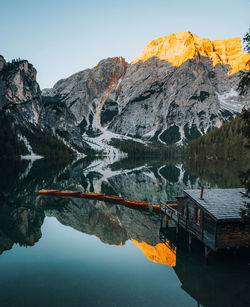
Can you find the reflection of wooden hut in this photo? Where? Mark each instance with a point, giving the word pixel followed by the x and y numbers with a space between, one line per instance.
pixel 213 217
pixel 225 283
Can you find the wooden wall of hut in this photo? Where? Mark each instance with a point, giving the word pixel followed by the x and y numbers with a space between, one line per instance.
pixel 232 234
pixel 199 223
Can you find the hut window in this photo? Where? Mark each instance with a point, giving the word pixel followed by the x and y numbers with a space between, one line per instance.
pixel 198 215
pixel 195 214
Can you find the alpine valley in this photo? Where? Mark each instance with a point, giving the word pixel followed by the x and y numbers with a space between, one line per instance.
pixel 175 90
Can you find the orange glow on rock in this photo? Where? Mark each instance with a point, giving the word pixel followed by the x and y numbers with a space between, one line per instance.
pixel 114 244
pixel 160 253
pixel 177 48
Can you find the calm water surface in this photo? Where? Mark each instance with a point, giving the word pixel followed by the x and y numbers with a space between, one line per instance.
pixel 77 252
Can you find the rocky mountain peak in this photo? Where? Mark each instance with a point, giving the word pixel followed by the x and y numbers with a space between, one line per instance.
pixel 85 92
pixel 179 47
pixel 18 83
pixel 2 62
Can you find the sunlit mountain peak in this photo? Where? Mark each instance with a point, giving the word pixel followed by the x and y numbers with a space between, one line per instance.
pixel 179 47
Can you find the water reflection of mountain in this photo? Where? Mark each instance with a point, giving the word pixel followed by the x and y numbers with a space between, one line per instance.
pixel 148 180
pixel 20 222
pixel 143 180
pixel 22 213
pixel 20 225
pixel 112 224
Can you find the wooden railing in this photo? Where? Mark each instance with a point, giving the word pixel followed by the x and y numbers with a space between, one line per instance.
pixel 171 212
pixel 182 220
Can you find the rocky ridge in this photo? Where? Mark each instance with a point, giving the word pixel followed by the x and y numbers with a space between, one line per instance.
pixel 174 91
pixel 24 132
pixel 19 90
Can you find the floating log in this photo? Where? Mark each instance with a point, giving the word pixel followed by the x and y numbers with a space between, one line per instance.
pixel 48 192
pixel 92 195
pixel 116 199
pixel 68 193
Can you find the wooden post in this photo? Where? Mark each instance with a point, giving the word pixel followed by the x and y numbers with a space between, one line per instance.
pixel 166 221
pixel 202 224
pixel 189 239
pixel 164 224
pixel 206 251
pixel 195 214
pixel 187 216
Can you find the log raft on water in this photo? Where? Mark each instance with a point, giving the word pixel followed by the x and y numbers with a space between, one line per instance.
pixel 92 195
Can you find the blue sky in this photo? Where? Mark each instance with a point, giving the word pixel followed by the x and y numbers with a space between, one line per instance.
pixel 61 37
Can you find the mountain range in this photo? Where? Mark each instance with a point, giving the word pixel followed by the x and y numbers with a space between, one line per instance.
pixel 176 89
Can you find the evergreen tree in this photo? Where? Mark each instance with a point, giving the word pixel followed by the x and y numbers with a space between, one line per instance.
pixel 231 141
pixel 244 84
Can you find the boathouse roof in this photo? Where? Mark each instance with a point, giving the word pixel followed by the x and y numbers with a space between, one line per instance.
pixel 222 204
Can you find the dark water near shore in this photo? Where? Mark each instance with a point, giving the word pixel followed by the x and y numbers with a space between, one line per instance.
pixel 77 252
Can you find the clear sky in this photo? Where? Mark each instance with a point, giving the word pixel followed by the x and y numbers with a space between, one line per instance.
pixel 61 37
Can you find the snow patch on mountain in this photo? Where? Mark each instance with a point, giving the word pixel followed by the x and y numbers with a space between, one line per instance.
pixel 227 101
pixel 32 156
pixel 78 154
pixel 150 134
pixel 182 134
pixel 101 143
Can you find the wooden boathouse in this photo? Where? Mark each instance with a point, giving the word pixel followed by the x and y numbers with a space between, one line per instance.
pixel 212 216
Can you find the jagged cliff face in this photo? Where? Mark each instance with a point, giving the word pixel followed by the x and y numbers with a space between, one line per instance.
pixel 79 105
pixel 174 91
pixel 21 106
pixel 19 90
pixel 180 85
pixel 85 93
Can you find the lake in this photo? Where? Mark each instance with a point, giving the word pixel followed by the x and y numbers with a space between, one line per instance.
pixel 79 252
